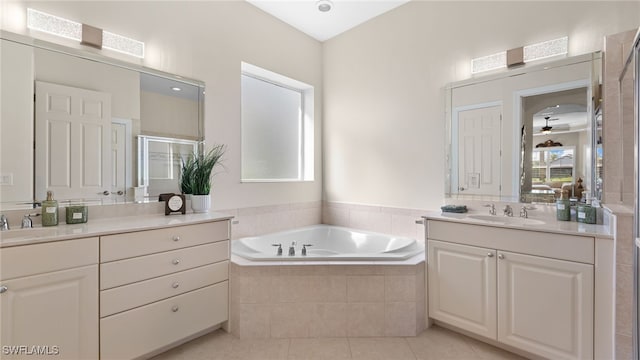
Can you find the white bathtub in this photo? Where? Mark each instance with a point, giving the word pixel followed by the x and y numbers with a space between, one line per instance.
pixel 328 243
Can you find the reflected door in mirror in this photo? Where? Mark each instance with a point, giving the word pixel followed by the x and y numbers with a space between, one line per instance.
pixel 73 130
pixel 479 136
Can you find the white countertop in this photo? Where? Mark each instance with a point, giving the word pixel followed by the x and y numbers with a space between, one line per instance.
pixel 101 227
pixel 550 225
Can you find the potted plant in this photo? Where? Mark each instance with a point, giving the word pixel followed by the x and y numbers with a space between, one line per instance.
pixel 197 173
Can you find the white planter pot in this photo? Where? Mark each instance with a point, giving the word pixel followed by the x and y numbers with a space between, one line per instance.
pixel 200 203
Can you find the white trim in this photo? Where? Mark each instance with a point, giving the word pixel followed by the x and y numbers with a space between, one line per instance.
pixel 127 123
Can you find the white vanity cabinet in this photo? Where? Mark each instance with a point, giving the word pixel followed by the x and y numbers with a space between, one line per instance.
pixel 158 287
pixel 49 300
pixel 530 290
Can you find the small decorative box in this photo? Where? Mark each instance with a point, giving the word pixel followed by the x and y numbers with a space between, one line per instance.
pixel 77 214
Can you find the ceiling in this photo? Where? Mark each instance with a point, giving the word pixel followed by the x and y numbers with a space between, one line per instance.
pixel 344 14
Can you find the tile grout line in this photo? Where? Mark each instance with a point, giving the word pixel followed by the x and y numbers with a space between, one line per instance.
pixel 406 340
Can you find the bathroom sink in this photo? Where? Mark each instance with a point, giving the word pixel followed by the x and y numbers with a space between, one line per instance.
pixel 505 220
pixel 27 233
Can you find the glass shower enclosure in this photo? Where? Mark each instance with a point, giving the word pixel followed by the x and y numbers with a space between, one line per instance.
pixel 629 109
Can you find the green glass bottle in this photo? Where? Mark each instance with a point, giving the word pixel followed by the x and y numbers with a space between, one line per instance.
pixel 49 211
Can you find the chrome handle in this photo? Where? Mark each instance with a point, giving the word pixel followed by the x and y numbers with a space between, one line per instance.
pixel 462 188
pixel 3 289
pixel 175 285
pixel 500 256
pixel 420 222
pixel 175 308
pixel 105 193
pixel 490 254
pixel 175 261
pixel 176 238
pixel 119 192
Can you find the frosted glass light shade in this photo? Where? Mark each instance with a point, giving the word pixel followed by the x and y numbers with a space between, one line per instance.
pixel 122 44
pixel 489 62
pixel 38 20
pixel 546 49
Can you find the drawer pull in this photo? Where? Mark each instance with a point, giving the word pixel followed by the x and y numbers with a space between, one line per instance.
pixel 3 289
pixel 175 285
pixel 175 261
pixel 175 308
pixel 490 254
pixel 176 238
pixel 500 256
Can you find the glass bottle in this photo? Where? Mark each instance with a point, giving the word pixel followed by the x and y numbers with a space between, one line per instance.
pixel 50 211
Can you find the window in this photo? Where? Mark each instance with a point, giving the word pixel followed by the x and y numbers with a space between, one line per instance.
pixel 277 127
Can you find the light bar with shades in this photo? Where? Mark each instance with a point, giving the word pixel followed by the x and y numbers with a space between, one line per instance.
pixel 529 53
pixel 51 24
pixel 55 25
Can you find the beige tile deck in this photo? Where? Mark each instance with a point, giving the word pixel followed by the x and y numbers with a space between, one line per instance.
pixel 434 343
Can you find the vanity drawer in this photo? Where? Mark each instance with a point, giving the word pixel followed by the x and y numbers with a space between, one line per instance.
pixel 127 245
pixel 552 245
pixel 126 297
pixel 142 330
pixel 34 259
pixel 127 271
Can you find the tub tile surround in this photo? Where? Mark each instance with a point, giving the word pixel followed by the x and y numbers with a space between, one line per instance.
pixel 310 301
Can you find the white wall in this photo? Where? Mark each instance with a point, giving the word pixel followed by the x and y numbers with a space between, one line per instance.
pixel 384 98
pixel 208 41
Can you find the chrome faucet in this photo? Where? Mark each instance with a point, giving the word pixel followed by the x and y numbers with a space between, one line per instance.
pixel 508 211
pixel 304 249
pixel 523 212
pixel 26 222
pixel 292 249
pixel 4 223
pixel 279 248
pixel 492 208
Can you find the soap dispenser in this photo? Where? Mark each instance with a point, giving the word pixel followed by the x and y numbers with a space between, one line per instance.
pixel 49 211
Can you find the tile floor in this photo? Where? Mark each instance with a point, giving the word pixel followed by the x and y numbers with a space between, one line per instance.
pixel 433 343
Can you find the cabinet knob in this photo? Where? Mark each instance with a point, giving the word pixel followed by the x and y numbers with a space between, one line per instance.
pixel 175 285
pixel 3 289
pixel 175 308
pixel 500 256
pixel 490 254
pixel 175 261
pixel 176 238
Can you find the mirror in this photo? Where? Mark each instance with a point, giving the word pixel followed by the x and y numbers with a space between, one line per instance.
pixel 73 121
pixel 526 135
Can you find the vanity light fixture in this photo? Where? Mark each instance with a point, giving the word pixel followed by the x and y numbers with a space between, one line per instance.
pixel 324 5
pixel 175 88
pixel 51 24
pixel 55 25
pixel 539 51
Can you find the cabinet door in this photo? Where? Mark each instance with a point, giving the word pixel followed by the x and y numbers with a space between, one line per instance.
pixel 462 286
pixel 51 314
pixel 545 306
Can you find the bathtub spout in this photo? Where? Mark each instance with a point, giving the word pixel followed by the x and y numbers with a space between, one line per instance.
pixel 292 249
pixel 279 248
pixel 304 249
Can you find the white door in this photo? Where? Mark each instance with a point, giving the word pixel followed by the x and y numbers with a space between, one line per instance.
pixel 58 310
pixel 545 306
pixel 462 286
pixel 479 134
pixel 73 141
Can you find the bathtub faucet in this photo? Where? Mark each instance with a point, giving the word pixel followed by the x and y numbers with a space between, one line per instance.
pixel 279 248
pixel 304 249
pixel 292 249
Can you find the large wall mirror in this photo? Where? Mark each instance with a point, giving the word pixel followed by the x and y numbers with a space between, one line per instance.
pixel 532 134
pixel 92 129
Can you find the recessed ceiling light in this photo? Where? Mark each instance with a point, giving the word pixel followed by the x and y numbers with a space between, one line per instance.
pixel 324 5
pixel 175 88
